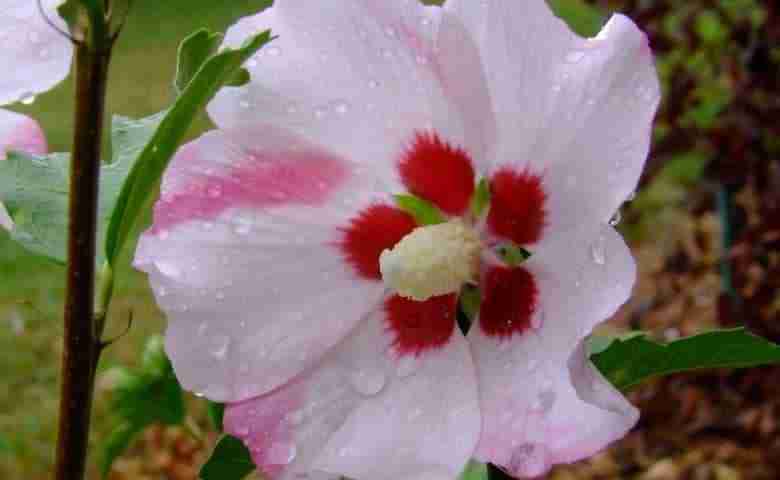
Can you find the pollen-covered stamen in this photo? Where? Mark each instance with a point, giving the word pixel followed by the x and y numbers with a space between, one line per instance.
pixel 432 260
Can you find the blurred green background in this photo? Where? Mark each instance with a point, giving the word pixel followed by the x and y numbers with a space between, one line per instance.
pixel 705 227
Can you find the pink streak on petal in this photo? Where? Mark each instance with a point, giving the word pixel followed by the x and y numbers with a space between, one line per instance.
pixel 262 180
pixel 264 425
pixel 27 137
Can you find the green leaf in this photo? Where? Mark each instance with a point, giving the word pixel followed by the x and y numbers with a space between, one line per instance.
pixel 470 300
pixel 475 471
pixel 216 412
pixel 230 460
pixel 512 254
pixel 424 212
pixel 481 199
pixel 194 51
pixel 141 397
pixel 154 362
pixel 142 186
pixel 114 445
pixel 629 361
pixel 581 17
pixel 35 189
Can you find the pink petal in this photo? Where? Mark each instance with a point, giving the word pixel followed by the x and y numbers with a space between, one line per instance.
pixel 579 111
pixel 18 132
pixel 364 413
pixel 254 284
pixel 34 57
pixel 542 401
pixel 362 77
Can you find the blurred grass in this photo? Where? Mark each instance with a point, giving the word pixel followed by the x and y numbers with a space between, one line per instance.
pixel 30 303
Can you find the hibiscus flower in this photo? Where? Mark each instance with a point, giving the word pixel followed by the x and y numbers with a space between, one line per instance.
pixel 34 58
pixel 312 253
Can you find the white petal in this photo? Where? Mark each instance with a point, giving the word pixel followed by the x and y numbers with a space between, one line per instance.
pixel 543 403
pixel 360 77
pixel 18 132
pixel 244 259
pixel 34 57
pixel 579 111
pixel 365 414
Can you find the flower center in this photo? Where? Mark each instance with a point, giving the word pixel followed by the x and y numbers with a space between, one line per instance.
pixel 432 260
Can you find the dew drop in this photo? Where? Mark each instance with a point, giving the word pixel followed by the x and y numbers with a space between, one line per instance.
pixel 220 347
pixel 616 219
pixel 168 269
pixel 598 250
pixel 274 51
pixel 406 366
pixel 390 32
pixel 44 53
pixel 252 63
pixel 532 365
pixel 296 417
pixel 281 454
pixel 373 84
pixel 27 98
pixel 421 59
pixel 320 112
pixel 341 107
pixel 574 57
pixel 368 382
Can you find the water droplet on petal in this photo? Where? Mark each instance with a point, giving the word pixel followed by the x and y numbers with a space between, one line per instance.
pixel 296 417
pixel 406 366
pixel 373 84
pixel 244 104
pixel 27 98
pixel 532 365
pixel 274 51
pixel 598 250
pixel 320 112
pixel 616 219
pixel 368 382
pixel 341 107
pixel 220 347
pixel 167 269
pixel 575 56
pixel 281 454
